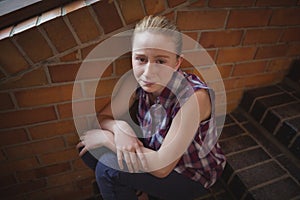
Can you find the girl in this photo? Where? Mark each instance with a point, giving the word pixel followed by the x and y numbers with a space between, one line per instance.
pixel 175 113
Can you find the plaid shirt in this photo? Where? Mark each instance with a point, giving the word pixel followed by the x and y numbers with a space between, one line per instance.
pixel 203 161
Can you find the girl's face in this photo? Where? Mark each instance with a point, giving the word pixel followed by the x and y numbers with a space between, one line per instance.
pixel 154 60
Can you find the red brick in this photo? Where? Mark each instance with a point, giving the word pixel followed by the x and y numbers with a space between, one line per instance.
pixel 68 178
pixel 225 70
pixel 271 51
pixel 9 51
pixel 190 40
pixel 291 34
pixel 220 38
pixel 123 65
pixel 233 83
pixel 33 78
pixel 170 16
pixel 192 59
pixel 48 95
pixel 198 58
pixel 32 42
pixel 263 79
pixel 294 50
pixel 103 87
pixel 74 56
pixel 51 129
pixel 22 188
pixel 230 3
pixel 26 117
pixel 276 3
pixel 262 36
pixel 207 74
pixel 279 65
pixel 63 73
pixel 95 70
pixel 108 16
pixel 154 7
pixel 234 95
pixel 34 148
pixel 84 107
pixel 248 18
pixel 185 64
pixel 191 36
pixel 65 110
pixel 59 156
pixel 87 50
pixel 62 39
pixel 101 102
pixel 71 139
pixel 198 20
pixel 229 55
pixel 19 165
pixel 198 3
pixel 13 137
pixel 127 6
pixel 245 69
pixel 6 102
pixel 78 164
pixel 43 172
pixel 286 16
pixel 173 3
pixel 84 24
pixel 212 54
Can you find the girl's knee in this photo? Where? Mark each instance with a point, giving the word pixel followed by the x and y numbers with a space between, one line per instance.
pixel 105 173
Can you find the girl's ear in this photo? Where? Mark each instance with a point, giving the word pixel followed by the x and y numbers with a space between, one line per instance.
pixel 179 61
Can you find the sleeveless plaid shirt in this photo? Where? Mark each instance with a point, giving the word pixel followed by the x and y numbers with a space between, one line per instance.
pixel 203 161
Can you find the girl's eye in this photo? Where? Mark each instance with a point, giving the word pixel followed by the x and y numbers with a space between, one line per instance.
pixel 141 59
pixel 160 61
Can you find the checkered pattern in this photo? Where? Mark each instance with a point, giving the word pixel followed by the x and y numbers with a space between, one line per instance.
pixel 203 161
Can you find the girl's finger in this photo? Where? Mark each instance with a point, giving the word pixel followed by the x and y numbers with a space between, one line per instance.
pixel 79 145
pixel 83 151
pixel 134 162
pixel 142 159
pixel 120 158
pixel 127 160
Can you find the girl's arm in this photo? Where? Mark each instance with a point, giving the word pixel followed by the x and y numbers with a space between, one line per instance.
pixel 181 133
pixel 124 137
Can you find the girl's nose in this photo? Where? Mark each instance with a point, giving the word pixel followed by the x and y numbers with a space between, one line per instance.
pixel 150 70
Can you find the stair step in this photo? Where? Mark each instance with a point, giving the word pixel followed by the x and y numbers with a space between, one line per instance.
pixel 258 166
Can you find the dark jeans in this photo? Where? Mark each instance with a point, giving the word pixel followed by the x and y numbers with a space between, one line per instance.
pixel 116 184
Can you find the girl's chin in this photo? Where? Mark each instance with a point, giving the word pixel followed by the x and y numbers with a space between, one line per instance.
pixel 151 88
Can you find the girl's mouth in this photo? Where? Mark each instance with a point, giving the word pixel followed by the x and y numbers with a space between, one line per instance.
pixel 147 83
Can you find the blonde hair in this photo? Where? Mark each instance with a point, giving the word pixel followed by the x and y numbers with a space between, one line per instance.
pixel 162 25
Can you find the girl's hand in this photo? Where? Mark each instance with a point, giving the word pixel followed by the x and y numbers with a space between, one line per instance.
pixel 129 148
pixel 92 139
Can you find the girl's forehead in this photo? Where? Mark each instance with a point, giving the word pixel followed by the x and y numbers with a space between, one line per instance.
pixel 157 40
pixel 154 53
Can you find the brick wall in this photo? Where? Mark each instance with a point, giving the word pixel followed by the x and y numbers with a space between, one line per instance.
pixel 252 42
